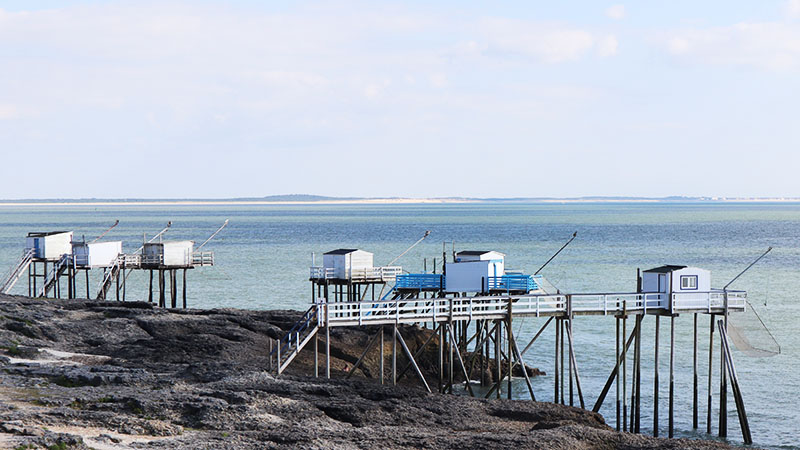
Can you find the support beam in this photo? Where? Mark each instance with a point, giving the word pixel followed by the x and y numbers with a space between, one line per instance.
pixel 710 370
pixel 616 379
pixel 518 355
pixel 574 365
pixel 394 354
pixel 399 337
pixel 555 366
pixel 695 402
pixel 536 336
pixel 620 362
pixel 370 343
pixel 416 355
pixel 655 377
pixel 672 377
pixel 744 424
pixel 461 363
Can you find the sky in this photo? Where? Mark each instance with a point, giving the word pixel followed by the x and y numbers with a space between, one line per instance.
pixel 211 99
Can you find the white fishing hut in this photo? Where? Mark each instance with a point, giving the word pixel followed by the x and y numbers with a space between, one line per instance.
pixel 342 263
pixel 168 254
pixel 472 270
pixel 671 278
pixel 50 245
pixel 96 254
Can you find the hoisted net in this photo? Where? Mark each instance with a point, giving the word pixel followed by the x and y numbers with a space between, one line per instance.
pixel 749 334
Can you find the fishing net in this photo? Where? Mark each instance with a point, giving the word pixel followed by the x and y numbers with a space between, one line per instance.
pixel 546 286
pixel 749 334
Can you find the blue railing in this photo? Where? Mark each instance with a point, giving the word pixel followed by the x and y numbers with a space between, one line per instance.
pixel 419 281
pixel 514 282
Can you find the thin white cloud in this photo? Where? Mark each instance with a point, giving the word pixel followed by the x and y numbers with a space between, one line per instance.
pixel 8 111
pixel 544 42
pixel 616 12
pixel 769 45
pixel 792 8
pixel 607 46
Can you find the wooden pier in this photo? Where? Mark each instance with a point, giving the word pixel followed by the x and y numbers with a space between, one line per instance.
pixel 480 326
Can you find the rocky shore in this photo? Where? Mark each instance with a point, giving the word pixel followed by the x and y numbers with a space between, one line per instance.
pixel 85 374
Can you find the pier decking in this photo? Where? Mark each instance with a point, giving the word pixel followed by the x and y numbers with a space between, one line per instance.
pixel 471 330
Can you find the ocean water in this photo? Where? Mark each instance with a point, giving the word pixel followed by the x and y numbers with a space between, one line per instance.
pixel 263 258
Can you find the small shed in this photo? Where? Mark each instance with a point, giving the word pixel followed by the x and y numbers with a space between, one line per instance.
pixel 472 269
pixel 341 262
pixel 671 278
pixel 50 245
pixel 168 253
pixel 96 254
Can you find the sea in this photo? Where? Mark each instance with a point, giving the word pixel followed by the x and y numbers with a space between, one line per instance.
pixel 264 254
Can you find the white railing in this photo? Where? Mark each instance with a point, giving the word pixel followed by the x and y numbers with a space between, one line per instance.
pixel 709 300
pixel 386 273
pixel 202 258
pixel 492 307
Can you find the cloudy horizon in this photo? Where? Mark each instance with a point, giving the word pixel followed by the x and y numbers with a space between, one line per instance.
pixel 175 99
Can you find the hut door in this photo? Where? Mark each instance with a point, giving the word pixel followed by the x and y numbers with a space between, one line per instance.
pixel 662 282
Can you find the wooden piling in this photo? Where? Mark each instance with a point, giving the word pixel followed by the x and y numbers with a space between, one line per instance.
pixel 184 289
pixel 655 378
pixel 694 376
pixel 710 370
pixel 616 361
pixel 497 358
pixel 723 384
pixel 394 354
pixel 555 366
pixel 672 377
pixel 624 371
pixel 509 352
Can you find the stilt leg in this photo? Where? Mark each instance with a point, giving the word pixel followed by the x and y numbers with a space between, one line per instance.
pixel 695 421
pixel 671 377
pixel 655 378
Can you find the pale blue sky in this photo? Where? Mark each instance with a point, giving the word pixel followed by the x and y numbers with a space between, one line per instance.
pixel 423 99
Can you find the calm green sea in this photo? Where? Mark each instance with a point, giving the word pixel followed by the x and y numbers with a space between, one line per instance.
pixel 264 254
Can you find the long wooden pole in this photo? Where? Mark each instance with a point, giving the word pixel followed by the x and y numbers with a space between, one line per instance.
pixel 744 424
pixel 510 349
pixel 694 378
pixel 574 364
pixel 655 378
pixel 616 366
pixel 710 370
pixel 672 377
pixel 555 366
pixel 399 338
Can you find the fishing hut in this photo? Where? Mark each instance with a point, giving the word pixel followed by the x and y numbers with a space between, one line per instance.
pixel 105 256
pixel 46 259
pixel 349 274
pixel 471 316
pixel 168 258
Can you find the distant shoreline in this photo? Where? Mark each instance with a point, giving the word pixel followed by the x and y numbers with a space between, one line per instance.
pixel 382 201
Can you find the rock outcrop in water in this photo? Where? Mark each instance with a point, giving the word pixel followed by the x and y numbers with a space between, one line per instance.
pixel 83 374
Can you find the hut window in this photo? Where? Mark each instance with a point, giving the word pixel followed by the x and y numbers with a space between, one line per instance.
pixel 688 281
